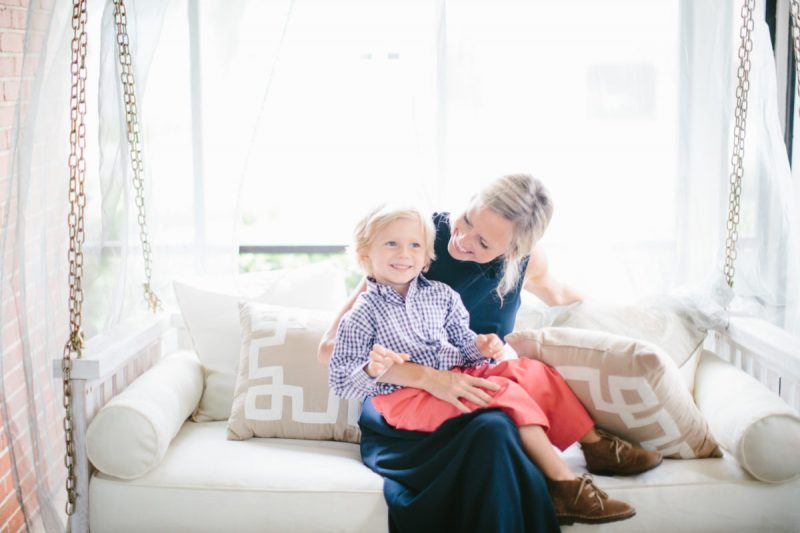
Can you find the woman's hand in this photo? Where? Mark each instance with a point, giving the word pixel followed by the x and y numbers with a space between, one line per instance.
pixel 452 386
pixel 490 346
pixel 325 349
pixel 381 359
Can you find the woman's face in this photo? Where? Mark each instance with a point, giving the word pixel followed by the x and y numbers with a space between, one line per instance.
pixel 480 235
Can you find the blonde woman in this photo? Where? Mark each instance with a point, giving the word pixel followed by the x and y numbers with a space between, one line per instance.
pixel 473 473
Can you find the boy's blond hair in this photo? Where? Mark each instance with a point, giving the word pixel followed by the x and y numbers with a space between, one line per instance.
pixel 380 217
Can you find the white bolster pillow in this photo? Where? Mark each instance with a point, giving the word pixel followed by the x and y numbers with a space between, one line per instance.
pixel 751 422
pixel 131 433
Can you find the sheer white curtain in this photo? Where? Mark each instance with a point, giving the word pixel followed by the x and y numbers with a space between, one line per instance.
pixel 767 281
pixel 350 120
pixel 583 96
pixel 202 70
pixel 198 83
pixel 33 289
pixel 278 122
pixel 625 109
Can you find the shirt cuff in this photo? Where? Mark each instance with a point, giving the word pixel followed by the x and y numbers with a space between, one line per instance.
pixel 471 353
pixel 361 380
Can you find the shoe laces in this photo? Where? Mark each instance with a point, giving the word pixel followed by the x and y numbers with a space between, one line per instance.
pixel 618 444
pixel 587 483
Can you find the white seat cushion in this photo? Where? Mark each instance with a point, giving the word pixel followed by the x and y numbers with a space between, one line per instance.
pixel 703 495
pixel 208 483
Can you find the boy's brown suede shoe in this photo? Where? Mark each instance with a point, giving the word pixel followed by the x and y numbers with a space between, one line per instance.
pixel 612 456
pixel 580 500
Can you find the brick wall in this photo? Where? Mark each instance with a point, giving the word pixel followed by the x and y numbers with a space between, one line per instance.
pixel 20 450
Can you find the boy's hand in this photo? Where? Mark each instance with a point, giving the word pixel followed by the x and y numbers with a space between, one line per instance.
pixel 489 345
pixel 381 359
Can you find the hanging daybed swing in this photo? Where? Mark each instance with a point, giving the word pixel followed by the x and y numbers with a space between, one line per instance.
pixel 78 469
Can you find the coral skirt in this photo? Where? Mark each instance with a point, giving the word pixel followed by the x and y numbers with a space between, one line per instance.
pixel 531 393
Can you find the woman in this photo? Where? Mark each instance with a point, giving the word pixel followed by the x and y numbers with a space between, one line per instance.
pixel 472 473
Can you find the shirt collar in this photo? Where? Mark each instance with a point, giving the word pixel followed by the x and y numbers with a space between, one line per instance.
pixel 389 293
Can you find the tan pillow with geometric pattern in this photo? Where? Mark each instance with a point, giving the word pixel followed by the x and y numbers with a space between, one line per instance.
pixel 281 388
pixel 629 387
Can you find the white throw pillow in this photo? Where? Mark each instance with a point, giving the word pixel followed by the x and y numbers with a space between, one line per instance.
pixel 212 318
pixel 131 433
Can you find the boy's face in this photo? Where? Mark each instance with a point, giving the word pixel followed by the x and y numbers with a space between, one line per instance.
pixel 397 254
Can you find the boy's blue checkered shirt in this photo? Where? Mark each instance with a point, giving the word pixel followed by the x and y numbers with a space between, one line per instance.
pixel 430 324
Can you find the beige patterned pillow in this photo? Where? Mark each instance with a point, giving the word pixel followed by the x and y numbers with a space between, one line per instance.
pixel 282 389
pixel 629 387
pixel 662 321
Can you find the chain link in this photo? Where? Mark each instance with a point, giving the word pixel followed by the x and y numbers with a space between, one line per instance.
pixel 134 146
pixel 737 157
pixel 795 18
pixel 77 199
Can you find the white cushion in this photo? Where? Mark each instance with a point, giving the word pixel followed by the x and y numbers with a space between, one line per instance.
pixel 131 433
pixel 701 496
pixel 208 483
pixel 751 422
pixel 211 314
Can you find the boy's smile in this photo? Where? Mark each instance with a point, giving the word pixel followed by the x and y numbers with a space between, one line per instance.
pixel 397 254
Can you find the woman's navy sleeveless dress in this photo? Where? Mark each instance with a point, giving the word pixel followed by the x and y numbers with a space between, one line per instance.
pixel 472 473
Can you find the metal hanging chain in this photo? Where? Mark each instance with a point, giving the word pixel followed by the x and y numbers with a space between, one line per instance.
pixel 795 18
pixel 134 146
pixel 77 199
pixel 737 157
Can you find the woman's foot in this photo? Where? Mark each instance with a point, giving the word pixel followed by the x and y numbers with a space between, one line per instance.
pixel 612 456
pixel 580 500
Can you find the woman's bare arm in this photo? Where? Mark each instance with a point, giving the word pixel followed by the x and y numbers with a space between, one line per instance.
pixel 541 282
pixel 325 349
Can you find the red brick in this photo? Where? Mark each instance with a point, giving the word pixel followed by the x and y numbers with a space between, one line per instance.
pixel 6 485
pixel 8 508
pixel 18 18
pixel 5 462
pixel 15 378
pixel 28 484
pixel 12 353
pixel 17 522
pixel 5 17
pixel 11 91
pixel 17 403
pixel 7 115
pixel 11 42
pixel 10 66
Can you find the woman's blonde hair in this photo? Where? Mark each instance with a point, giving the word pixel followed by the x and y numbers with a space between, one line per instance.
pixel 380 217
pixel 524 201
